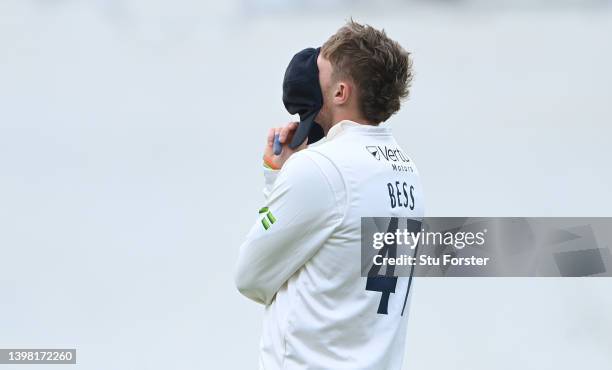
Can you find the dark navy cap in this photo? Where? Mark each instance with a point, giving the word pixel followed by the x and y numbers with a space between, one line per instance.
pixel 302 95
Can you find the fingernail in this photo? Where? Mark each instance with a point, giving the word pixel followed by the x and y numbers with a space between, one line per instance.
pixel 277 145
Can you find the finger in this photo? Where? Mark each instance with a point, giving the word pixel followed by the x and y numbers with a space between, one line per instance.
pixel 292 129
pixel 287 130
pixel 293 125
pixel 283 134
pixel 270 140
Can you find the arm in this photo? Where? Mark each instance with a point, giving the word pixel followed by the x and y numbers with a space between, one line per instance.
pixel 305 212
pixel 270 176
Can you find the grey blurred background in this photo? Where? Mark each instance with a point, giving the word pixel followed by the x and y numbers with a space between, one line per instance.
pixel 130 158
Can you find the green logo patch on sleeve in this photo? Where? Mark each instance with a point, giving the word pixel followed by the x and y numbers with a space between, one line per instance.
pixel 268 219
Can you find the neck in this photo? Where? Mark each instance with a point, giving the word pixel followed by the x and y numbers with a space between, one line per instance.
pixel 348 116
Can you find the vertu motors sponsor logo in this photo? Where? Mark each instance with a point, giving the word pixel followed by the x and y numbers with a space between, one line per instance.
pixel 386 153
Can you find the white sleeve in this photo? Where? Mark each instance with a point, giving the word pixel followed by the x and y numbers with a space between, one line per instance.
pixel 270 176
pixel 301 212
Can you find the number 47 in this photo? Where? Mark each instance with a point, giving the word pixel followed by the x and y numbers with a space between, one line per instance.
pixel 386 283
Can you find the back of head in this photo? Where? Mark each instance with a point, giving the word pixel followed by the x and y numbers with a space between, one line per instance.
pixel 379 67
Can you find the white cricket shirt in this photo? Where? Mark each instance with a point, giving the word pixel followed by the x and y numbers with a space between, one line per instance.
pixel 301 259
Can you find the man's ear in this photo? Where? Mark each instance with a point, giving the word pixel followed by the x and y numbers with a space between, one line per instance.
pixel 342 93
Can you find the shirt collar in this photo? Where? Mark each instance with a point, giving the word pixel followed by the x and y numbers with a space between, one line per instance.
pixel 347 125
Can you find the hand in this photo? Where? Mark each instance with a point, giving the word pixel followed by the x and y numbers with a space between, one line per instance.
pixel 285 134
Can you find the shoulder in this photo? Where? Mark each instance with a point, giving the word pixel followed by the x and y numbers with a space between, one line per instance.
pixel 301 164
pixel 312 171
pixel 312 160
